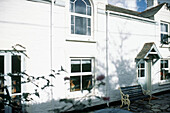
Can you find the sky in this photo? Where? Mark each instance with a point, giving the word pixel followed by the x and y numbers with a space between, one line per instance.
pixel 136 5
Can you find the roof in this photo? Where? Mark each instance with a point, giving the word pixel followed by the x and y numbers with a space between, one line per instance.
pixel 146 14
pixel 121 10
pixel 152 11
pixel 149 51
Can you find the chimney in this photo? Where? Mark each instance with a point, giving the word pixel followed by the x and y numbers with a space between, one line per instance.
pixel 152 3
pixel 155 3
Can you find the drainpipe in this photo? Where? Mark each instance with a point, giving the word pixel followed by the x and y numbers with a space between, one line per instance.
pixel 51 45
pixel 107 57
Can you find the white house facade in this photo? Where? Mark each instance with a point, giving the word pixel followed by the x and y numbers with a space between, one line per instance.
pixel 80 40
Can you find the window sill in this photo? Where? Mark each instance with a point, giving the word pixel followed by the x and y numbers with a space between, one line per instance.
pixel 164 46
pixel 14 94
pixel 164 82
pixel 79 94
pixel 81 40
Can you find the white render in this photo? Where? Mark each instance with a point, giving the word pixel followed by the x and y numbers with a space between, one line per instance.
pixel 28 23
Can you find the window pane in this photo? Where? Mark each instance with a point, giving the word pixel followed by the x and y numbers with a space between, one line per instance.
pixel 167 76
pixel 87 82
pixel 71 7
pixel 80 25
pixel 161 74
pixel 75 66
pixel 2 107
pixel 80 7
pixel 16 103
pixel 86 65
pixel 142 65
pixel 88 10
pixel 164 38
pixel 89 22
pixel 89 31
pixel 161 63
pixel 166 63
pixel 142 73
pixel 1 64
pixel 1 84
pixel 75 83
pixel 138 73
pixel 72 29
pixel 164 27
pixel 72 19
pixel 16 84
pixel 16 64
pixel 87 2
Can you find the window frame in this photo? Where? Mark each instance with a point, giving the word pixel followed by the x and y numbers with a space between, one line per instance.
pixel 139 68
pixel 81 74
pixel 164 68
pixel 16 74
pixel 86 36
pixel 164 32
pixel 8 69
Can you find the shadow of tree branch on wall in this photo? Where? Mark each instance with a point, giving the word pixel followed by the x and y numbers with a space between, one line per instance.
pixel 123 66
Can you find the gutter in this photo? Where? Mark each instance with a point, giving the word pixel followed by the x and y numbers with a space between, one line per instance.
pixel 132 17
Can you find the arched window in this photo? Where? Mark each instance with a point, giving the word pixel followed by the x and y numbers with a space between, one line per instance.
pixel 80 17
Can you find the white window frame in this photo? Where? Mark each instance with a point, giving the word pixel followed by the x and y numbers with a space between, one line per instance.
pixel 83 73
pixel 167 69
pixel 79 36
pixel 8 69
pixel 139 68
pixel 162 32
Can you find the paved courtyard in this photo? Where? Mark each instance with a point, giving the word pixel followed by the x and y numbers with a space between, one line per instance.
pixel 159 104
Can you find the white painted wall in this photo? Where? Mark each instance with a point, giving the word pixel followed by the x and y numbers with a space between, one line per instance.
pixel 28 23
pixel 161 16
pixel 126 38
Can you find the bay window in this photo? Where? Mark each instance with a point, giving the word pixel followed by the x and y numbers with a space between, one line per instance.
pixel 80 17
pixel 81 74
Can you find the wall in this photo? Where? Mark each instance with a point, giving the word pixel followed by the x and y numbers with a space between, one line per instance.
pixel 28 23
pixel 161 16
pixel 127 35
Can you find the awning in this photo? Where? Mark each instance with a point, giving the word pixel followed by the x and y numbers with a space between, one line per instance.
pixel 149 51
